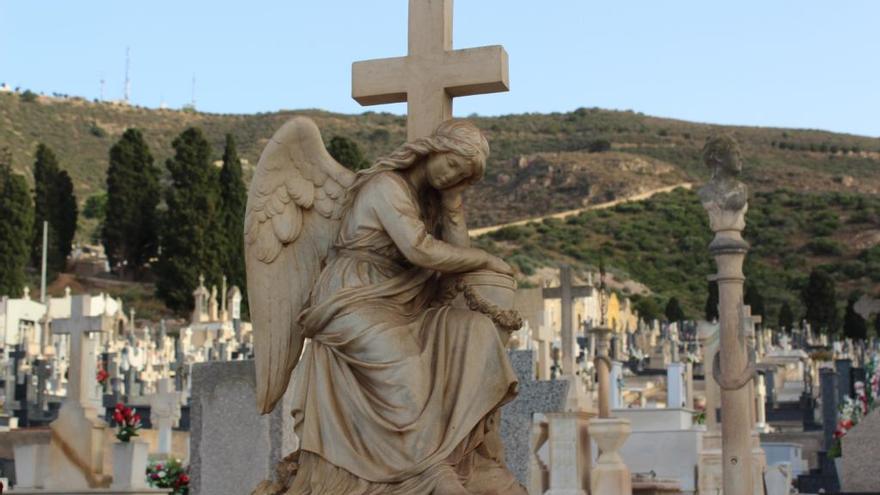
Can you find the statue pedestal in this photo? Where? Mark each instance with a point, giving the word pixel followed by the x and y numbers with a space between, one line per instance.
pixel 569 453
pixel 610 475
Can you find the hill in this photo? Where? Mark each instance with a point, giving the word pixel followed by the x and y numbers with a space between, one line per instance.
pixel 814 192
pixel 662 243
pixel 540 162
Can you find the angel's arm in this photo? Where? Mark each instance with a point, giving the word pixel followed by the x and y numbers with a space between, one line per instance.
pixel 453 221
pixel 399 216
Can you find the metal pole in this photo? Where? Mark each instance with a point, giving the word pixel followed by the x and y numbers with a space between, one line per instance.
pixel 43 270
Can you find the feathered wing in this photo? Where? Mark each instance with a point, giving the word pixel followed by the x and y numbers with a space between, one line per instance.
pixel 293 211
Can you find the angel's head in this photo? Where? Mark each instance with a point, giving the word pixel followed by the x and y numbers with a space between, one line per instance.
pixel 455 152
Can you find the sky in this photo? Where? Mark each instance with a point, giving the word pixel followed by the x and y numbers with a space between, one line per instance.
pixel 780 63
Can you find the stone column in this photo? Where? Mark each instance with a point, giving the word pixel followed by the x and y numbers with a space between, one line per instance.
pixel 569 453
pixel 726 200
pixel 567 334
pixel 603 370
pixel 708 335
pixel 760 406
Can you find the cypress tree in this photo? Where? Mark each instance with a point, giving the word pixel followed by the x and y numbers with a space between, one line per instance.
pixel 54 202
pixel 45 172
pixel 16 224
pixel 754 299
pixel 191 237
pixel 130 232
pixel 854 326
pixel 712 302
pixel 233 199
pixel 674 311
pixel 64 215
pixel 820 299
pixel 786 317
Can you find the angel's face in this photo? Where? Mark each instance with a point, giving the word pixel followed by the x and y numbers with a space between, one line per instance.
pixel 445 170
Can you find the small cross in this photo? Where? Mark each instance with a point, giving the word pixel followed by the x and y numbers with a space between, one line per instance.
pixel 432 73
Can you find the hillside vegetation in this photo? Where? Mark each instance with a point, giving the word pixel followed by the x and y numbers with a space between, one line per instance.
pixel 662 242
pixel 539 164
pixel 815 193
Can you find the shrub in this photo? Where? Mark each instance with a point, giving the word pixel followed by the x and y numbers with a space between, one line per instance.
pixel 824 246
pixel 28 96
pixel 599 145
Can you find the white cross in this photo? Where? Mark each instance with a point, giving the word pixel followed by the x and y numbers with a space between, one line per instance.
pixel 432 73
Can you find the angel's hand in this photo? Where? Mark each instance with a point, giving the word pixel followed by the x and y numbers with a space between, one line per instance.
pixel 496 264
pixel 453 197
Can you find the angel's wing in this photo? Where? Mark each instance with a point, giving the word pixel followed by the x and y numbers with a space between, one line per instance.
pixel 294 205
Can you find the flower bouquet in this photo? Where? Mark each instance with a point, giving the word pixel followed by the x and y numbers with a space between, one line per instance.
pixel 169 474
pixel 127 422
pixel 102 376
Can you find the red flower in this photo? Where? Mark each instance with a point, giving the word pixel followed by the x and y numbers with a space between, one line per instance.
pixel 117 417
pixel 846 423
pixel 184 479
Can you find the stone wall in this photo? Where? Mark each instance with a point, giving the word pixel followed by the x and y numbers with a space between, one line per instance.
pixel 861 456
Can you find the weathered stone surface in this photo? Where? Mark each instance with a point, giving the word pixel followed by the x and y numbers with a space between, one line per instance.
pixel 861 452
pixel 544 396
pixel 233 448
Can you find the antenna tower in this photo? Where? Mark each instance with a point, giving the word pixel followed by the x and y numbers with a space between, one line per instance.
pixel 127 78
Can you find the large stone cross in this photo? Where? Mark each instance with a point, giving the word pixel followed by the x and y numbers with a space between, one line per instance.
pixel 567 293
pixel 432 73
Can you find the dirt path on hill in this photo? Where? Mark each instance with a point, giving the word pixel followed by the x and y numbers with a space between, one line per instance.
pixel 564 214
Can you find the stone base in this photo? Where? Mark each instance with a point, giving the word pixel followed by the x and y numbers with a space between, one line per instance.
pixel 610 474
pixel 95 491
pixel 711 478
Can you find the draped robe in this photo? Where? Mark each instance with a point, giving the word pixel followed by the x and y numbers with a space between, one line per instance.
pixel 395 391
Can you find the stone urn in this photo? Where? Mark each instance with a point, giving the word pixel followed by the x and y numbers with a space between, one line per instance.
pixel 130 465
pixel 610 474
pixel 490 293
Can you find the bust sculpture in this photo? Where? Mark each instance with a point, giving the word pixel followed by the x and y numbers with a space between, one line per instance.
pixel 724 196
pixel 396 391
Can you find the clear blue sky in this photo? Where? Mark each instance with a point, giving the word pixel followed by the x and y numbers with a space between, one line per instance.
pixel 806 64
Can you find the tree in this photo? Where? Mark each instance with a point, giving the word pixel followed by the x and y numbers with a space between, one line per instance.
pixel 191 235
pixel 786 317
pixel 754 299
pixel 64 214
pixel 95 207
pixel 877 326
pixel 712 302
pixel 130 232
pixel 55 203
pixel 233 199
pixel 820 299
pixel 673 310
pixel 16 223
pixel 347 152
pixel 647 308
pixel 854 326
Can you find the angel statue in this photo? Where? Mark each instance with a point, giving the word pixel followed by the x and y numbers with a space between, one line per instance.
pixel 397 391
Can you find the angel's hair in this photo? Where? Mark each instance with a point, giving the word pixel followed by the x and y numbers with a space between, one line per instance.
pixel 453 136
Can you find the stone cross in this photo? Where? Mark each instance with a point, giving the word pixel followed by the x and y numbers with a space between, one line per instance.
pixel 432 73
pixel 82 389
pixel 165 412
pixel 566 293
